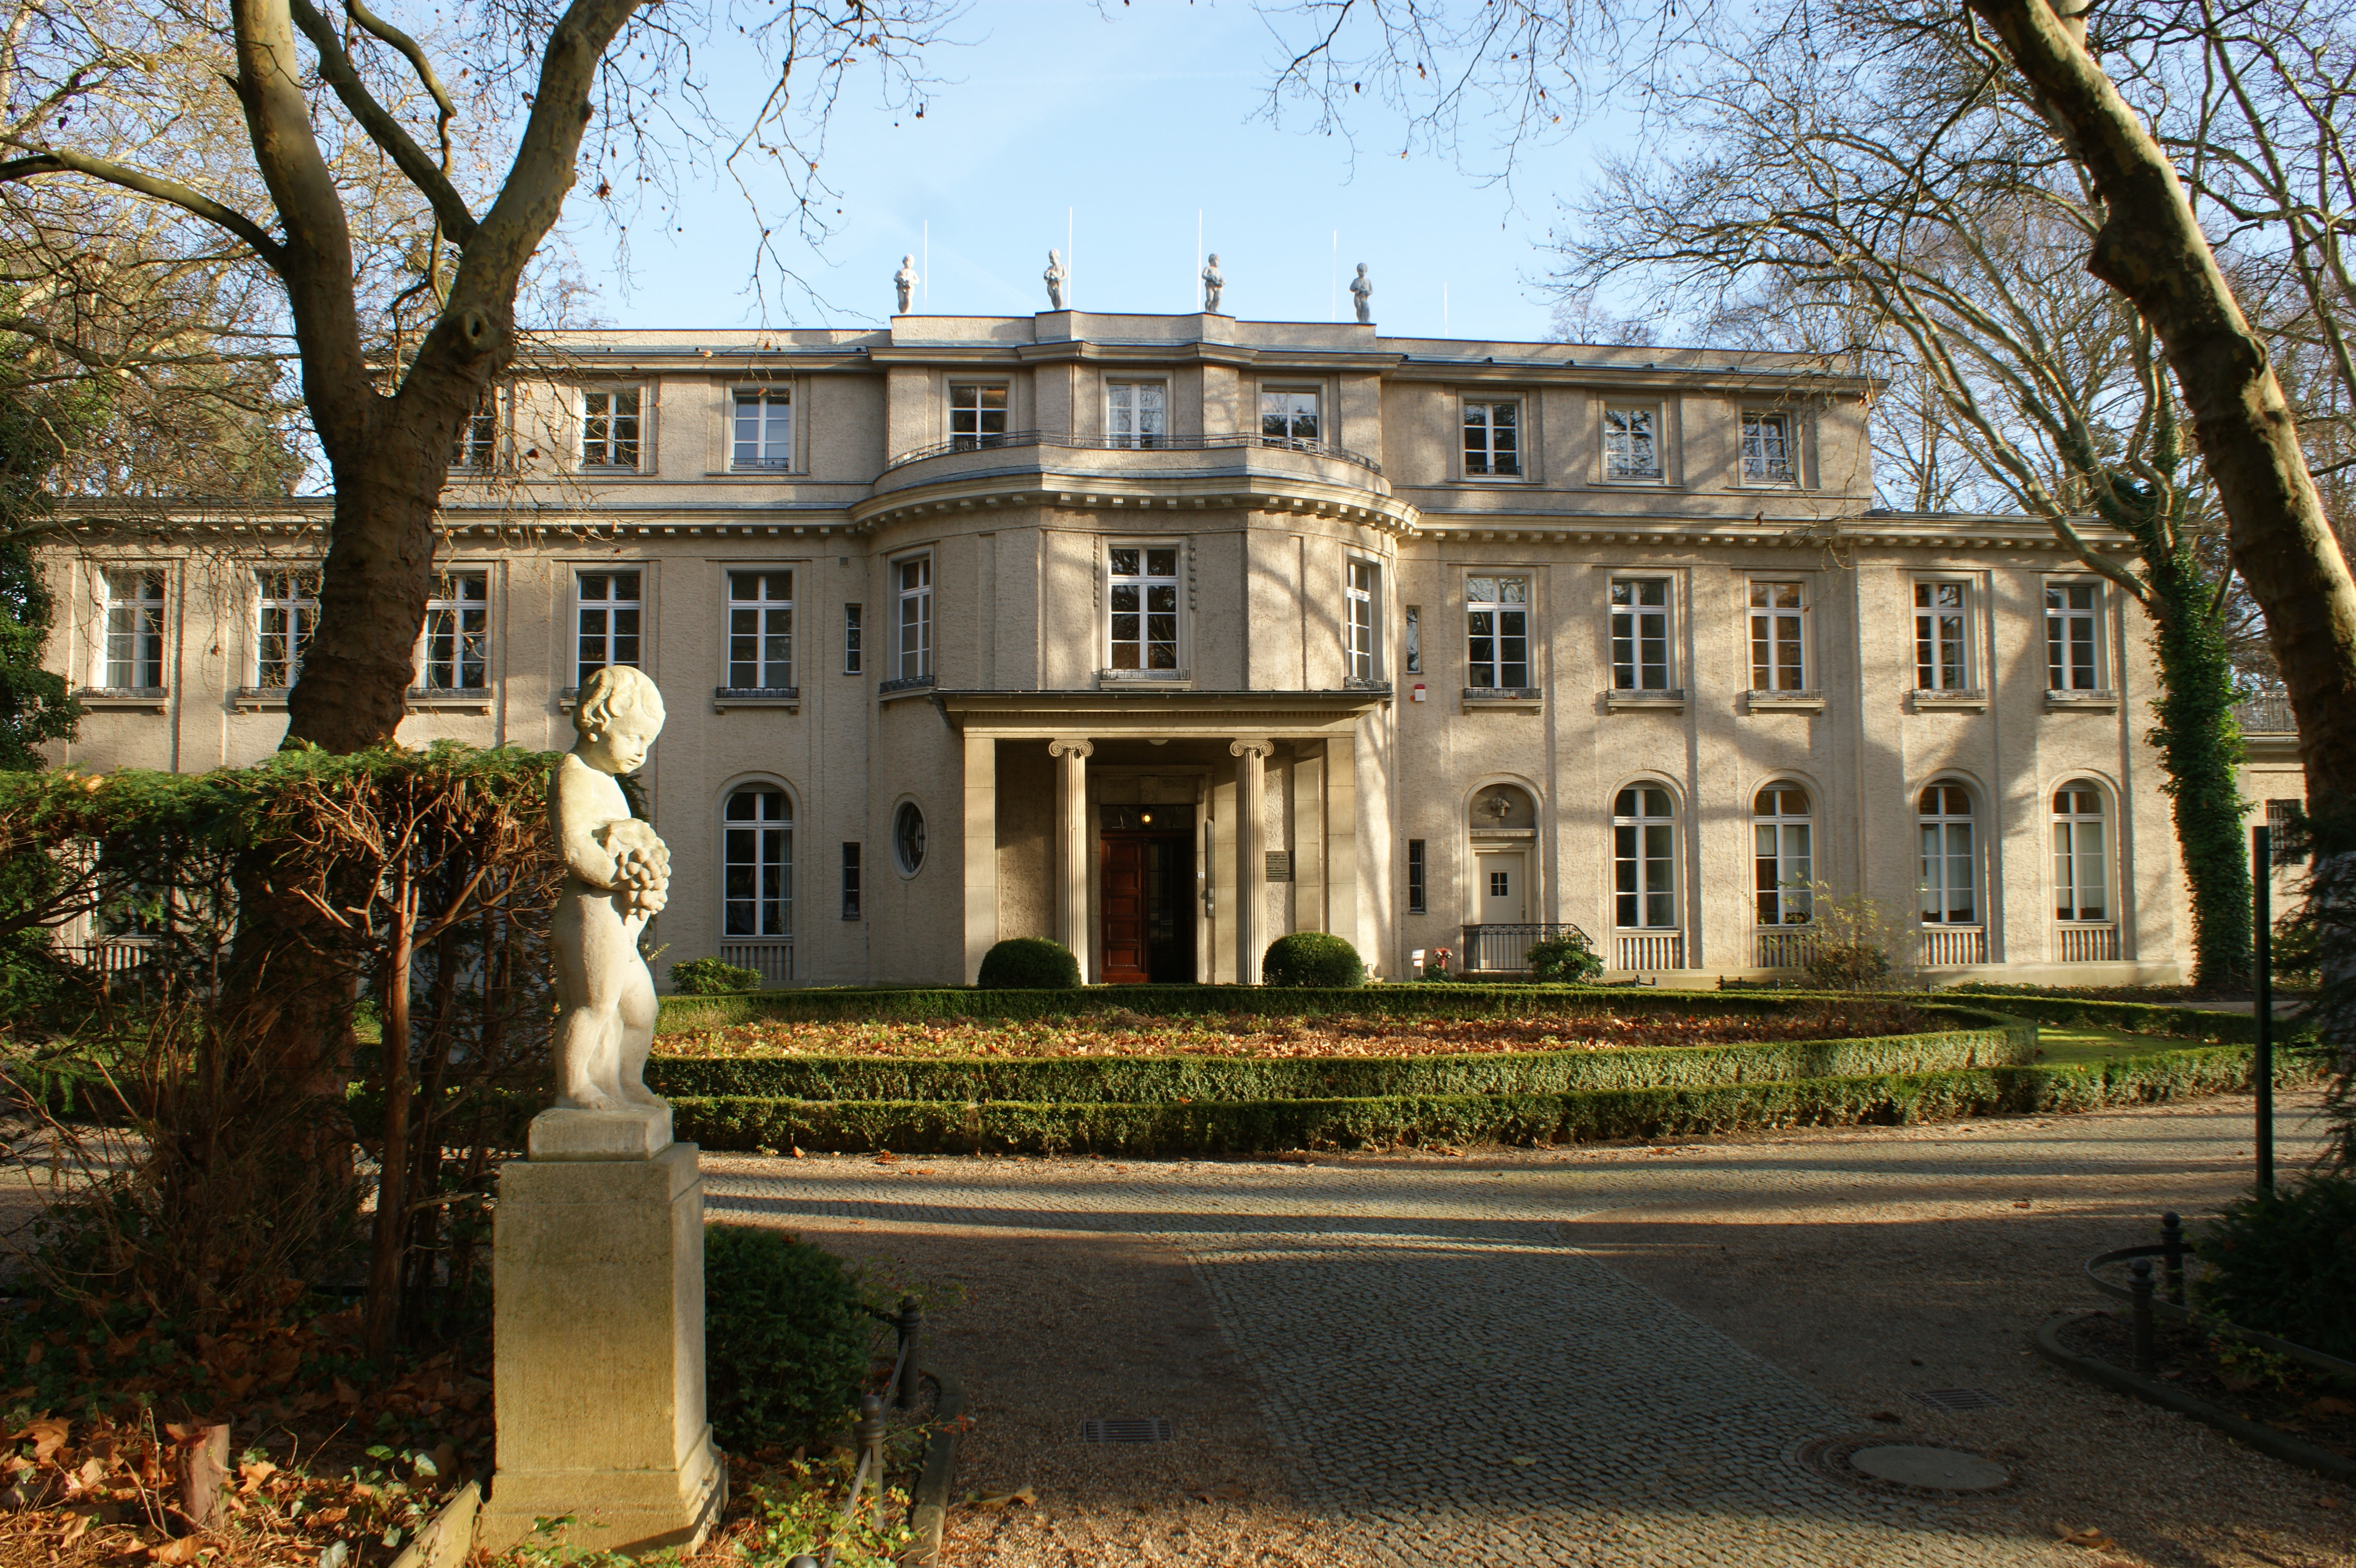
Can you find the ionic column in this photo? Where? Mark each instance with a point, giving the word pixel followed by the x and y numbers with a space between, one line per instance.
pixel 1072 835
pixel 1251 853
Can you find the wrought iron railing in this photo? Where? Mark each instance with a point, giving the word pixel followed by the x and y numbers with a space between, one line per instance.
pixel 2265 712
pixel 1950 947
pixel 1506 949
pixel 1232 440
pixel 2085 941
pixel 770 958
pixel 1637 952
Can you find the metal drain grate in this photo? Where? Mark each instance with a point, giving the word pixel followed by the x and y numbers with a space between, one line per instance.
pixel 1126 1429
pixel 1955 1399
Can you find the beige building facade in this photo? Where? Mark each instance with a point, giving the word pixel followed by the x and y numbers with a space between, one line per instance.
pixel 1164 636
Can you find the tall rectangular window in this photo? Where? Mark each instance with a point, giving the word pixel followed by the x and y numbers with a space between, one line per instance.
pixel 2070 641
pixel 609 613
pixel 1779 639
pixel 2081 868
pixel 478 446
pixel 760 630
pixel 1415 876
pixel 977 416
pixel 1644 859
pixel 609 428
pixel 1411 640
pixel 459 633
pixel 756 868
pixel 765 429
pixel 134 630
pixel 1137 412
pixel 1939 637
pixel 1361 588
pixel 1143 628
pixel 1497 633
pixel 851 882
pixel 1949 862
pixel 1640 634
pixel 288 614
pixel 1288 415
pixel 1632 447
pixel 854 653
pixel 1767 453
pixel 915 592
pixel 1493 438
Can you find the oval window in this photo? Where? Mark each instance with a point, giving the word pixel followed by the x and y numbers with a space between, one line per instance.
pixel 908 838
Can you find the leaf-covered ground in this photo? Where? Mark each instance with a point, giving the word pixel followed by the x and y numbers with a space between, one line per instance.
pixel 1242 1034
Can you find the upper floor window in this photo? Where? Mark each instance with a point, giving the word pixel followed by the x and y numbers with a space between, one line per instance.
pixel 1493 437
pixel 1137 414
pixel 459 633
pixel 1361 590
pixel 1640 634
pixel 914 581
pixel 478 446
pixel 1644 858
pixel 2069 639
pixel 288 613
pixel 134 630
pixel 1497 633
pixel 1768 456
pixel 1950 858
pixel 977 416
pixel 760 630
pixel 1632 445
pixel 609 611
pixel 1287 415
pixel 1783 855
pixel 854 631
pixel 2081 874
pixel 1779 639
pixel 1142 633
pixel 757 862
pixel 764 428
pixel 609 428
pixel 1939 637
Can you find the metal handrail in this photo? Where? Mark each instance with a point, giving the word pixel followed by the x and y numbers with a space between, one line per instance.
pixel 2143 1298
pixel 1215 443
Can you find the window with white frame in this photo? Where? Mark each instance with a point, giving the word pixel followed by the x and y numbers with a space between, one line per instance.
pixel 458 643
pixel 760 630
pixel 756 833
pixel 1493 437
pixel 1631 440
pixel 854 636
pixel 1411 640
pixel 133 659
pixel 1779 637
pixel 609 428
pixel 608 614
pixel 1498 633
pixel 977 416
pixel 1644 859
pixel 1950 857
pixel 1362 590
pixel 913 581
pixel 763 436
pixel 286 613
pixel 1782 830
pixel 1288 415
pixel 2071 609
pixel 2081 857
pixel 1640 634
pixel 1137 414
pixel 1142 627
pixel 1940 637
pixel 478 446
pixel 1768 456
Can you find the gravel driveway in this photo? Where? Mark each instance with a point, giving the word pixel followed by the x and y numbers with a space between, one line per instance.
pixel 1592 1356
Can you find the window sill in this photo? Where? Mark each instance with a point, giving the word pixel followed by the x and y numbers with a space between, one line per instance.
pixel 1620 702
pixel 1504 699
pixel 422 699
pixel 2081 702
pixel 1786 702
pixel 1494 480
pixel 908 686
pixel 1973 701
pixel 1174 679
pixel 774 469
pixel 723 698
pixel 258 698
pixel 124 699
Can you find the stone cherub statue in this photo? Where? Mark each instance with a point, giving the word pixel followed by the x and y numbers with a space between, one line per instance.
pixel 905 280
pixel 1362 294
pixel 617 874
pixel 1057 274
pixel 1213 287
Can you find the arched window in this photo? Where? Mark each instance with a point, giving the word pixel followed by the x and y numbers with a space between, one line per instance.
pixel 1644 858
pixel 1783 853
pixel 2080 860
pixel 757 862
pixel 1949 857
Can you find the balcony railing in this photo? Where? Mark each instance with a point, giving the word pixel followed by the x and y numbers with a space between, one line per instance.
pixel 2265 712
pixel 1951 947
pixel 1638 950
pixel 1131 444
pixel 1785 946
pixel 770 958
pixel 1506 949
pixel 2085 941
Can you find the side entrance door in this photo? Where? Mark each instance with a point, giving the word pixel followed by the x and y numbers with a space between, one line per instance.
pixel 1146 907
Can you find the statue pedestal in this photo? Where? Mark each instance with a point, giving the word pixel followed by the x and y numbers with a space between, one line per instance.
pixel 598 1324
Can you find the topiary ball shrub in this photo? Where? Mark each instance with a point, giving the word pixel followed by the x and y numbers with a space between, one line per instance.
pixel 1563 961
pixel 785 1342
pixel 710 977
pixel 1029 963
pixel 2284 1262
pixel 1311 958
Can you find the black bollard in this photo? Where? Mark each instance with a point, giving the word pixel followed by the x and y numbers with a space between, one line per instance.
pixel 2146 1357
pixel 2172 1247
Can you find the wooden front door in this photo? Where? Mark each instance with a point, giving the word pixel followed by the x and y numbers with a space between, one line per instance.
pixel 1147 925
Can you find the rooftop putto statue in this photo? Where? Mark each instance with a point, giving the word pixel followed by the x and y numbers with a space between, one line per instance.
pixel 905 281
pixel 1057 275
pixel 1362 294
pixel 1214 286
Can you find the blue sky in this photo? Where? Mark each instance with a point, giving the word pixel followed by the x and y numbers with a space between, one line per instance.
pixel 1126 124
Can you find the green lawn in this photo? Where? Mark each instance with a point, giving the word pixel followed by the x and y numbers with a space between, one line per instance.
pixel 2061 1046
